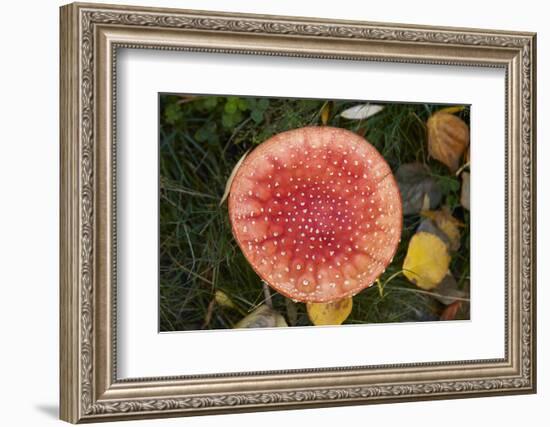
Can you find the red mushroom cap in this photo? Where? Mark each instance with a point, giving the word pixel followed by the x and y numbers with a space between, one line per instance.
pixel 317 213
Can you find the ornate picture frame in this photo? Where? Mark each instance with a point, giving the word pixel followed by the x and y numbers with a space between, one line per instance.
pixel 90 37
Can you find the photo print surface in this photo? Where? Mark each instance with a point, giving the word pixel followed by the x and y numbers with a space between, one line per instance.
pixel 281 212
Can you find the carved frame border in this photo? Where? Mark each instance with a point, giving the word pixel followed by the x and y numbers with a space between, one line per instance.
pixel 90 36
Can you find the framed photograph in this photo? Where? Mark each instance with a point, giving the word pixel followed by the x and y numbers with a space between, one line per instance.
pixel 267 212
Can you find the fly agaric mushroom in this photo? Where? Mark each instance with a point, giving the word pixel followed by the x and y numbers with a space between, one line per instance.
pixel 316 212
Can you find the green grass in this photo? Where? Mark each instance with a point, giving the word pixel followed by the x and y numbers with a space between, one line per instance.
pixel 201 139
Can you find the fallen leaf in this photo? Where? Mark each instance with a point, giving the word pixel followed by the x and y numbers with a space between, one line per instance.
pixel 465 190
pixel 419 191
pixel 451 110
pixel 448 137
pixel 208 316
pixel 362 131
pixel 325 112
pixel 448 224
pixel 450 312
pixel 231 176
pixel 331 313
pixel 427 260
pixel 222 299
pixel 361 112
pixel 425 203
pixel 429 226
pixel 447 291
pixel 262 317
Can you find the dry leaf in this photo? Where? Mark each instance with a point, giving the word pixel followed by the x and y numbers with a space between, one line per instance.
pixel 427 260
pixel 448 224
pixel 222 299
pixel 331 313
pixel 452 110
pixel 450 312
pixel 208 316
pixel 361 112
pixel 231 176
pixel 325 112
pixel 465 190
pixel 448 137
pixel 429 226
pixel 419 191
pixel 362 131
pixel 262 317
pixel 426 203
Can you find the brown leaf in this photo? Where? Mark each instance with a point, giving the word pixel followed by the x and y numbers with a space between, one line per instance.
pixel 448 137
pixel 452 109
pixel 362 130
pixel 448 224
pixel 208 316
pixel 450 312
pixel 419 191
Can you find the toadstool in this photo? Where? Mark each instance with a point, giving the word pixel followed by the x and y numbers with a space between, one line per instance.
pixel 316 212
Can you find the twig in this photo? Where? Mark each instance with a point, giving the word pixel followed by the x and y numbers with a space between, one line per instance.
pixel 190 246
pixel 433 294
pixel 209 312
pixel 187 99
pixel 192 273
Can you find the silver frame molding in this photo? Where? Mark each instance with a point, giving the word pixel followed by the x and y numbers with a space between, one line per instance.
pixel 90 37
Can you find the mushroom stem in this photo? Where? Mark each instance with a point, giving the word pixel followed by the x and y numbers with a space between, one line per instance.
pixel 267 295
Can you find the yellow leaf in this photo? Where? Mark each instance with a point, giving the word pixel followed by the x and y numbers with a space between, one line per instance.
pixel 447 223
pixel 223 300
pixel 448 137
pixel 427 260
pixel 263 317
pixel 325 113
pixel 331 313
